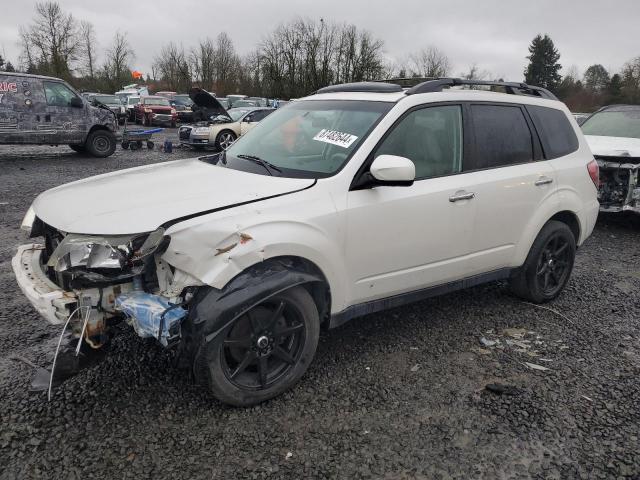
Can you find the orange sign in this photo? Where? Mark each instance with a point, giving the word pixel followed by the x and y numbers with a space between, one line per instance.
pixel 136 74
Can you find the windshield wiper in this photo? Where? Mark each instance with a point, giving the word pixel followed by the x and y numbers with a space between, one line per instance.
pixel 267 165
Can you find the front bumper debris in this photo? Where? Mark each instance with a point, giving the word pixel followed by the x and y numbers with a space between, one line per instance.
pixel 53 303
pixel 619 189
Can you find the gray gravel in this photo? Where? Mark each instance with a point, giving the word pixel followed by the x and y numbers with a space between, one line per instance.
pixel 395 395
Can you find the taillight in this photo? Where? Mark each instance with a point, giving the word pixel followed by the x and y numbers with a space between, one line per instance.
pixel 594 172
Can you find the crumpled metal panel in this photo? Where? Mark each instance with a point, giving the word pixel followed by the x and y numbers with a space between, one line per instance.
pixel 151 316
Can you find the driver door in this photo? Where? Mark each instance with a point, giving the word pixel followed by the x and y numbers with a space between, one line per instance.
pixel 401 239
pixel 252 119
pixel 68 123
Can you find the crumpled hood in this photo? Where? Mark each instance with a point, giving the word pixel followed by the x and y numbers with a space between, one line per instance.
pixel 203 99
pixel 614 146
pixel 141 199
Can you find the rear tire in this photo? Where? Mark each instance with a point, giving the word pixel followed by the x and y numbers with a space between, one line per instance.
pixel 548 266
pixel 263 353
pixel 101 143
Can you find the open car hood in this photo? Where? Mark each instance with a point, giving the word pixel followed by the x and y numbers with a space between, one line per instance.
pixel 204 99
pixel 141 199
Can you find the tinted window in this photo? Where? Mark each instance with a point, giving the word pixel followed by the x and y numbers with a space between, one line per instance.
pixel 260 114
pixel 431 138
pixel 502 136
pixel 58 94
pixel 556 133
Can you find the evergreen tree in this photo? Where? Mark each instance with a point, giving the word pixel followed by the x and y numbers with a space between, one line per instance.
pixel 596 78
pixel 543 69
pixel 614 89
pixel 1 63
pixel 9 67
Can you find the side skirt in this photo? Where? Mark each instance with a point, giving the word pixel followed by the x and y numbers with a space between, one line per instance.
pixel 415 296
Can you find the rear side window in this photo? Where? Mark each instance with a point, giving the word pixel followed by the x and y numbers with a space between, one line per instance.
pixel 502 136
pixel 556 133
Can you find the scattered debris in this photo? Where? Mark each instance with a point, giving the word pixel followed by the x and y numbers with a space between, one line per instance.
pixel 481 351
pixel 514 332
pixel 415 368
pixel 501 389
pixel 20 358
pixel 534 366
pixel 288 455
pixel 587 398
pixel 489 343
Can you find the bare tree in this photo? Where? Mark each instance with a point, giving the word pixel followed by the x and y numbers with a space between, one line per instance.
pixel 430 62
pixel 225 64
pixel 202 63
pixel 89 48
pixel 51 44
pixel 116 69
pixel 173 67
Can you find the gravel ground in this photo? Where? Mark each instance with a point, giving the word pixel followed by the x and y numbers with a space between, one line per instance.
pixel 396 395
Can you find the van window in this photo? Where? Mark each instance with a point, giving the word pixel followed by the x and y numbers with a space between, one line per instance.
pixel 502 136
pixel 431 138
pixel 556 133
pixel 58 94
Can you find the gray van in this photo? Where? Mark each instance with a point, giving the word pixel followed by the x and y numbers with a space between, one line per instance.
pixel 41 110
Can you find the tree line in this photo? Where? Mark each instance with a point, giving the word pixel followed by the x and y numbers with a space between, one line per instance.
pixel 293 60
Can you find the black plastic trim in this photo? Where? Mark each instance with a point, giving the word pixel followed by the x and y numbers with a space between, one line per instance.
pixel 512 88
pixel 369 87
pixel 373 306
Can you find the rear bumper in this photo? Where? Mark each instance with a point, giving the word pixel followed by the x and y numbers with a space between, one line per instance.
pixel 53 303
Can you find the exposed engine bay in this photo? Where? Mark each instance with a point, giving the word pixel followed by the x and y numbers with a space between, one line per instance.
pixel 619 184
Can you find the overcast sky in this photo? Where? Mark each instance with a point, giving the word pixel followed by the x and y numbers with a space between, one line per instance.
pixel 494 34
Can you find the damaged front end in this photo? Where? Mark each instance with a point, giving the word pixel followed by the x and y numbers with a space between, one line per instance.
pixel 90 283
pixel 619 189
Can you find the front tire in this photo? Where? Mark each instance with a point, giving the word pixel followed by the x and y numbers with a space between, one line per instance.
pixel 101 143
pixel 548 266
pixel 264 352
pixel 225 139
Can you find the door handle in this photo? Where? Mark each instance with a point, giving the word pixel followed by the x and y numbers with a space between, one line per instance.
pixel 543 181
pixel 462 196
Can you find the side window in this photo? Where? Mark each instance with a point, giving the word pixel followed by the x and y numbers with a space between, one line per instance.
pixel 260 114
pixel 556 133
pixel 58 94
pixel 502 136
pixel 430 137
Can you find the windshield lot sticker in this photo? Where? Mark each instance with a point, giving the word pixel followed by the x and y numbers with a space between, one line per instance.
pixel 333 137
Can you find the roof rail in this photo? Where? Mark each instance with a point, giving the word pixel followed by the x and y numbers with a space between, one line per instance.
pixel 371 87
pixel 512 88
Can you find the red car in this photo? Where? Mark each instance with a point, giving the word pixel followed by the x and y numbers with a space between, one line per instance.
pixel 155 110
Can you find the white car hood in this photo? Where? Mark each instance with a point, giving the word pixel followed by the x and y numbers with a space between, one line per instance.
pixel 141 199
pixel 614 146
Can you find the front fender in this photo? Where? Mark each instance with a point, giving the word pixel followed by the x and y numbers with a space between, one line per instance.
pixel 217 252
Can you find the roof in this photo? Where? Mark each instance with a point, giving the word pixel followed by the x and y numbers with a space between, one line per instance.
pixel 29 75
pixel 620 108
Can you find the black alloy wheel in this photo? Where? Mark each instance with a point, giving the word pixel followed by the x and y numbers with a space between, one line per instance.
pixel 553 266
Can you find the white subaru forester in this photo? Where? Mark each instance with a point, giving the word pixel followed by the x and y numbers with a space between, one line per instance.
pixel 358 198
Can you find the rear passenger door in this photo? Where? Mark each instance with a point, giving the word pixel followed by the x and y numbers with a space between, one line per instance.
pixel 516 180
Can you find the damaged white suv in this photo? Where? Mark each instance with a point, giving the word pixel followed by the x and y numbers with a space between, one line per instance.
pixel 356 199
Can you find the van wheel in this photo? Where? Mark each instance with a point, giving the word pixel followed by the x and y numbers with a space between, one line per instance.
pixel 78 148
pixel 225 139
pixel 548 266
pixel 101 143
pixel 264 352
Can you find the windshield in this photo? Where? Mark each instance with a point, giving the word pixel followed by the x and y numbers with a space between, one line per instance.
pixel 107 99
pixel 182 100
pixel 310 138
pixel 614 123
pixel 133 100
pixel 237 114
pixel 156 101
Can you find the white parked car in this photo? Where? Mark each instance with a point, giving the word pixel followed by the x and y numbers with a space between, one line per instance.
pixel 613 133
pixel 356 199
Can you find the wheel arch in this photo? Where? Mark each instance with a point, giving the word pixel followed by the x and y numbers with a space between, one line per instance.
pixel 568 217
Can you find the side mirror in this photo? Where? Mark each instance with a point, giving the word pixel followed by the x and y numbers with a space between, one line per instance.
pixel 393 170
pixel 76 102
